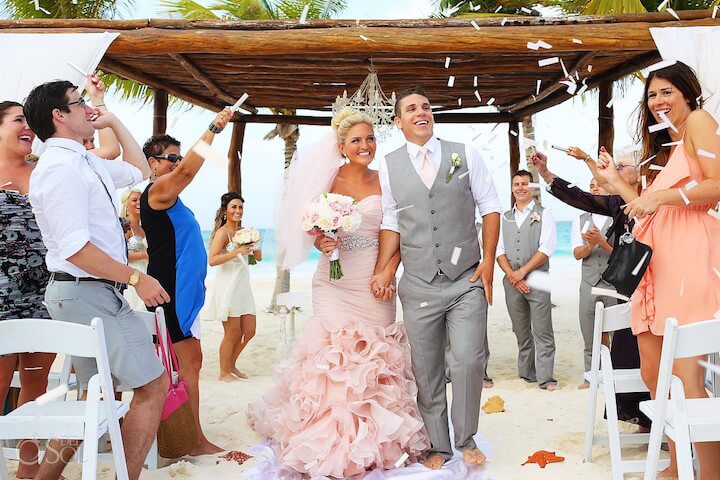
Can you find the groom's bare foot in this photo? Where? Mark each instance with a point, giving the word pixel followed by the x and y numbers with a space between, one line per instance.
pixel 474 456
pixel 488 383
pixel 434 462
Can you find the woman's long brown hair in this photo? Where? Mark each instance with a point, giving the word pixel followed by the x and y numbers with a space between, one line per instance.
pixel 220 219
pixel 684 79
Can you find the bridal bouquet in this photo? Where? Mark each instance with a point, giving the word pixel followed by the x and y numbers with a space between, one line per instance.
pixel 328 215
pixel 247 236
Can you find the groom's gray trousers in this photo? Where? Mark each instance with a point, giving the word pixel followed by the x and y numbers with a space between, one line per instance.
pixel 433 311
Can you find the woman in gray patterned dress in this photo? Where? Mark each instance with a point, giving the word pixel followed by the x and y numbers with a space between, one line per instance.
pixel 23 274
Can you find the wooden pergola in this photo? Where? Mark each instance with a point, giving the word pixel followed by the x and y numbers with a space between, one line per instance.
pixel 289 65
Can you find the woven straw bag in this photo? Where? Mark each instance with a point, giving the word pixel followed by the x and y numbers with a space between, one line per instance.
pixel 177 434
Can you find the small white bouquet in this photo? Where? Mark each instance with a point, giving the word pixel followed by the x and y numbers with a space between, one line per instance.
pixel 328 215
pixel 247 236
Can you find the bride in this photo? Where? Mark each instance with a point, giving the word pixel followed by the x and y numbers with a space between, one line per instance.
pixel 344 402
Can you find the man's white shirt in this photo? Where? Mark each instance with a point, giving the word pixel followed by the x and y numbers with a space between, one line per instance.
pixel 481 184
pixel 548 230
pixel 72 207
pixel 575 233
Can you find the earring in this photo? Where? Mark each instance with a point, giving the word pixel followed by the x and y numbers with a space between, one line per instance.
pixel 224 217
pixel 127 212
pixel 154 174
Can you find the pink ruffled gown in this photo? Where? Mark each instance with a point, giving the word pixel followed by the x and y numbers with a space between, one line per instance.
pixel 344 403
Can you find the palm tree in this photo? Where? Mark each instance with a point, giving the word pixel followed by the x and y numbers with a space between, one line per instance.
pixel 262 10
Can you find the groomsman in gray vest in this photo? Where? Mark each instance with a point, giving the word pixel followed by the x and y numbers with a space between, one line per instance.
pixel 589 243
pixel 527 241
pixel 430 189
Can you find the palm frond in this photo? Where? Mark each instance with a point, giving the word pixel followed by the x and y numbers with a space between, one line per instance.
pixel 292 9
pixel 65 8
pixel 187 9
pixel 607 7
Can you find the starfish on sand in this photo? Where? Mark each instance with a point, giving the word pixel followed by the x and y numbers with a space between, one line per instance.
pixel 543 457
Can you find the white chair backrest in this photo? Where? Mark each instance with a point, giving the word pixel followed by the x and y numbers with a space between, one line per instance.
pixel 681 342
pixel 616 317
pixel 695 339
pixel 51 336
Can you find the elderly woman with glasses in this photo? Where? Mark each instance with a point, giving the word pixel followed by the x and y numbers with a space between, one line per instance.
pixel 176 252
pixel 624 347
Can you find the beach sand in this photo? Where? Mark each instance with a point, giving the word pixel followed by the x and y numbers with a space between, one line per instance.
pixel 533 419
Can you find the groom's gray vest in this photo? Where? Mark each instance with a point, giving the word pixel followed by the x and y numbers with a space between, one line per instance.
pixel 522 241
pixel 594 264
pixel 440 221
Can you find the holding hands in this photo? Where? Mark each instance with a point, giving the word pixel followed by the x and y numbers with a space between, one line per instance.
pixel 382 285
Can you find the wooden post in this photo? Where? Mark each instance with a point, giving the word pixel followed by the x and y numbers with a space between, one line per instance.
pixel 235 157
pixel 606 117
pixel 160 106
pixel 514 144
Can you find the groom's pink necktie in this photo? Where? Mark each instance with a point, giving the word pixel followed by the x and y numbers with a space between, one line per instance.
pixel 427 169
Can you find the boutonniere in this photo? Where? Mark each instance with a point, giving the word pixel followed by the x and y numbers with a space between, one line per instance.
pixel 534 217
pixel 454 163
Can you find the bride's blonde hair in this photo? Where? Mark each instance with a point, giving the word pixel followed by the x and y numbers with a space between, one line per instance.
pixel 346 119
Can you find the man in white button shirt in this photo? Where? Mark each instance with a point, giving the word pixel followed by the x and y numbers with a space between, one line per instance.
pixel 588 242
pixel 527 241
pixel 430 189
pixel 72 195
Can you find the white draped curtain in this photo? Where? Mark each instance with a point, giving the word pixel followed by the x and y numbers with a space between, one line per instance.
pixel 699 48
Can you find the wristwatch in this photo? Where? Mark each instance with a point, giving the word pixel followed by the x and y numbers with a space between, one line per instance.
pixel 134 278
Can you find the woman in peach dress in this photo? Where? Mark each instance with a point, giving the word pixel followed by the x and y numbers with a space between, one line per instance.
pixel 344 402
pixel 682 280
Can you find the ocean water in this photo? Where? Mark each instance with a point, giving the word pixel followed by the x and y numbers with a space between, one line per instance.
pixel 269 250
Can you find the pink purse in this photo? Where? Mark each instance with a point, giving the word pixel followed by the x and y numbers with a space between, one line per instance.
pixel 177 434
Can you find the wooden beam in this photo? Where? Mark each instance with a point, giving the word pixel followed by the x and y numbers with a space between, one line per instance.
pixel 130 73
pixel 611 37
pixel 581 65
pixel 193 70
pixel 514 146
pixel 160 106
pixel 325 120
pixel 606 116
pixel 483 21
pixel 631 66
pixel 235 157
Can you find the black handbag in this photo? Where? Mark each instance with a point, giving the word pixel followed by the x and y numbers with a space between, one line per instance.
pixel 627 264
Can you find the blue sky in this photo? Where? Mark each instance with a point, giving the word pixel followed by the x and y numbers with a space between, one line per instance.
pixel 572 123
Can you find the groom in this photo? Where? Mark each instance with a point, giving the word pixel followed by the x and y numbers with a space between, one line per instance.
pixel 430 188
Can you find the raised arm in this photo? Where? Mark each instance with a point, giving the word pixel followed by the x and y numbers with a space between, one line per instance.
pixel 608 205
pixel 166 189
pixel 703 144
pixel 109 146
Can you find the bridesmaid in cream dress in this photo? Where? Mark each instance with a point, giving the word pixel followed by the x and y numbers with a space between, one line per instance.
pixel 136 242
pixel 230 299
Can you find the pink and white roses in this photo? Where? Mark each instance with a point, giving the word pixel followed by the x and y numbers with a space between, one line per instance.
pixel 329 215
pixel 247 236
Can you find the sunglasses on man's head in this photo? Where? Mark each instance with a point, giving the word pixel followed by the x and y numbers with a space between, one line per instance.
pixel 170 157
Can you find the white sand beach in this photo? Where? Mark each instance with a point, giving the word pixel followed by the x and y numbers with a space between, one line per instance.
pixel 534 419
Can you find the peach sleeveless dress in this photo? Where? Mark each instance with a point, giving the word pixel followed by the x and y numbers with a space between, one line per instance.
pixel 344 402
pixel 683 278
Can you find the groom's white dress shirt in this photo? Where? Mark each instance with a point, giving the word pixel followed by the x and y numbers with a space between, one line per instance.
pixel 481 183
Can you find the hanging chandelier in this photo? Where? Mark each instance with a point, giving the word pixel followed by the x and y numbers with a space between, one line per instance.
pixel 370 99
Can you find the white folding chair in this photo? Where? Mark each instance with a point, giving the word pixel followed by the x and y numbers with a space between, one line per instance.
pixel 292 301
pixel 684 420
pixel 610 381
pixel 82 420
